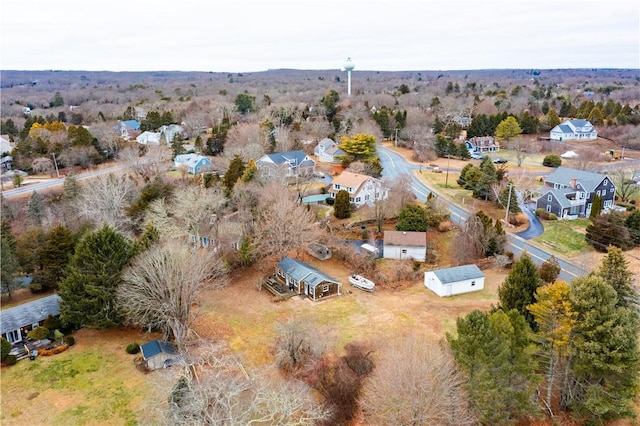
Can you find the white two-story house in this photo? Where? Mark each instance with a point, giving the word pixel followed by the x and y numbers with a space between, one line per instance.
pixel 362 189
pixel 328 151
pixel 573 130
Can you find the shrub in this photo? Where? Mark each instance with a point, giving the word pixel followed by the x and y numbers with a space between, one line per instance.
pixel 11 360
pixel 52 322
pixel 552 216
pixel 330 201
pixel 6 348
pixel 133 348
pixel 552 160
pixel 69 340
pixel 539 211
pixel 38 333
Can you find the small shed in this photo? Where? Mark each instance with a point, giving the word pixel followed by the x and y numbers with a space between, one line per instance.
pixel 403 245
pixel 456 280
pixel 159 354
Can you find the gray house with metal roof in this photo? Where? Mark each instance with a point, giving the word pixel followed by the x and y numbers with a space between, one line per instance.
pixel 286 164
pixel 17 321
pixel 304 278
pixel 573 130
pixel 452 281
pixel 569 193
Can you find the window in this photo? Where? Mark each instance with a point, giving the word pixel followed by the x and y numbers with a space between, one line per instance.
pixel 473 283
pixel 13 336
pixel 549 208
pixel 325 288
pixel 605 182
pixel 404 251
pixel 549 197
pixel 336 186
pixel 612 190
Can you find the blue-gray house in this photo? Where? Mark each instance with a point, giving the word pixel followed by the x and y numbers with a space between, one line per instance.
pixel 286 164
pixel 194 162
pixel 16 322
pixel 304 278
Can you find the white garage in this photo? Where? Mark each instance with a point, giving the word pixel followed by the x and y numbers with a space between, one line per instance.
pixel 452 281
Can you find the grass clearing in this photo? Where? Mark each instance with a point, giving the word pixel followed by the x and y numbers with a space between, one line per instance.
pixel 565 237
pixel 93 383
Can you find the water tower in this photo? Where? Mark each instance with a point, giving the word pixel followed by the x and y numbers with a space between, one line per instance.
pixel 349 66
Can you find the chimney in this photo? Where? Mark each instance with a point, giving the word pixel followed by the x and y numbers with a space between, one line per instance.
pixel 573 183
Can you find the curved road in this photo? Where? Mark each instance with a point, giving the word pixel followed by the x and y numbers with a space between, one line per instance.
pixel 394 164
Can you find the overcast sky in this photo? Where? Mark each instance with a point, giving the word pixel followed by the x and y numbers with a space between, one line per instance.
pixel 256 35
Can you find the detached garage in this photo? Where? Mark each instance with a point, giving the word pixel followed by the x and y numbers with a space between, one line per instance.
pixel 452 281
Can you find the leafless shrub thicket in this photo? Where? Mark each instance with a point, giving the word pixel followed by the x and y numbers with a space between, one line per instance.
pixel 415 382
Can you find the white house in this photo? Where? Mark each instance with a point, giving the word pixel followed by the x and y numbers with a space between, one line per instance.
pixel 194 162
pixel 452 281
pixel 362 189
pixel 573 130
pixel 328 151
pixel 149 138
pixel 172 131
pixel 402 245
pixel 5 144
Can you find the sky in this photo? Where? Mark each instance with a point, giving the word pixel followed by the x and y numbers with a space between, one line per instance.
pixel 257 35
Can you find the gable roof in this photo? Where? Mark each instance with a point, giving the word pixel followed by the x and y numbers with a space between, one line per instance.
pixel 351 180
pixel 588 180
pixel 131 124
pixel 155 347
pixel 560 194
pixel 327 142
pixel 190 159
pixel 298 157
pixel 29 313
pixel 458 273
pixel 405 238
pixel 299 270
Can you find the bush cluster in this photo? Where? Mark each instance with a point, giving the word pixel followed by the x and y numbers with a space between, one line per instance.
pixel 133 348
pixel 543 214
pixel 69 340
pixel 552 160
pixel 11 359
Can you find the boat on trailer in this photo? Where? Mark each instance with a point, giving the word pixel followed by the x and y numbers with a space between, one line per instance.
pixel 361 282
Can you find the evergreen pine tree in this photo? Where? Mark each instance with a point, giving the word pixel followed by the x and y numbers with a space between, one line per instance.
pixel 632 223
pixel 614 270
pixel 495 353
pixel 342 206
pixel 35 209
pixel 519 288
pixel 412 217
pixel 596 207
pixel 550 270
pixel 605 365
pixel 54 255
pixel 88 290
pixel 234 172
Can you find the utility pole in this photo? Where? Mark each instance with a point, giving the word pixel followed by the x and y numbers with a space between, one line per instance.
pixel 396 140
pixel 506 216
pixel 56 164
pixel 446 179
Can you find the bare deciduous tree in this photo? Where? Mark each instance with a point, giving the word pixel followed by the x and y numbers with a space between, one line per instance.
pixel 216 390
pixel 105 200
pixel 188 213
pixel 247 140
pixel 297 342
pixel 468 240
pixel 160 287
pixel 156 159
pixel 627 183
pixel 282 223
pixel 416 382
pixel 42 165
pixel 587 159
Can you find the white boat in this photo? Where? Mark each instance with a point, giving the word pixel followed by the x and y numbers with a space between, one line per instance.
pixel 361 282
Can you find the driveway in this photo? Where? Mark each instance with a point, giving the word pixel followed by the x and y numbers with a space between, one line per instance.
pixel 535 228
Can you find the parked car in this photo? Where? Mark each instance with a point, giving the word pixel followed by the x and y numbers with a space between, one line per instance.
pixel 476 156
pixel 499 160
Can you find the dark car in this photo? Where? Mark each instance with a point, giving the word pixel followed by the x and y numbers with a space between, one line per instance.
pixel 499 160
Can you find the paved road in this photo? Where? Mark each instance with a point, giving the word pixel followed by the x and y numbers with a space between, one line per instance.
pixel 27 189
pixel 394 164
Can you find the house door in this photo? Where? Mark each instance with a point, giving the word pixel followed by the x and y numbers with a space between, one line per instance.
pixel 14 336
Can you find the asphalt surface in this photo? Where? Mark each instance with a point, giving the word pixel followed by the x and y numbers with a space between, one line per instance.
pixel 394 165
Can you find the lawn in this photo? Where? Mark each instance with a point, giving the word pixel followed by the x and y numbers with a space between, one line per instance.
pixel 92 383
pixel 565 237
